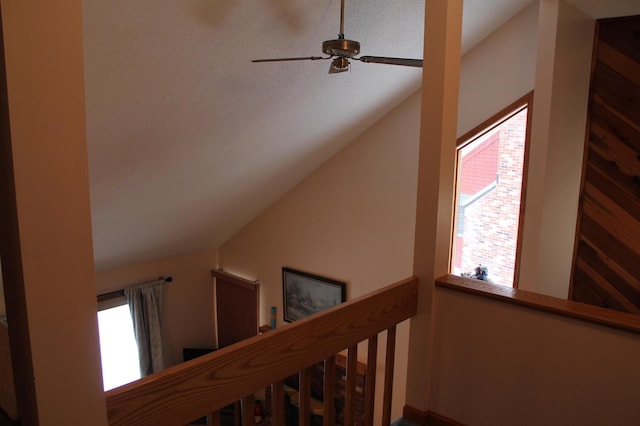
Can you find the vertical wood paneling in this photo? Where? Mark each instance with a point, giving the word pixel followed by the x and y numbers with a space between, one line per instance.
pixel 607 256
pixel 8 401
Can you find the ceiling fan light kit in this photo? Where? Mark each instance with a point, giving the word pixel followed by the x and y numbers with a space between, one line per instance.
pixel 339 65
pixel 341 50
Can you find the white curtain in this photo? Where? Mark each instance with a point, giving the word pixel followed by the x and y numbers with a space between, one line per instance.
pixel 145 304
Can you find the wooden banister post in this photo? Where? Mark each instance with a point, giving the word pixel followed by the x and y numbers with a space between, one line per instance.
pixel 370 384
pixel 328 418
pixel 388 375
pixel 305 397
pixel 350 385
pixel 246 406
pixel 277 403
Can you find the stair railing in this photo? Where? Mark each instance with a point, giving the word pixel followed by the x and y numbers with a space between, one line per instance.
pixel 209 383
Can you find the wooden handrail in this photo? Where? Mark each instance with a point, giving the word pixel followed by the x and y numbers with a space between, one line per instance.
pixel 208 383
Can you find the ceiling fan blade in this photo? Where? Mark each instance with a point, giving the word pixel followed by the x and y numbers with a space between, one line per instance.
pixel 391 61
pixel 300 58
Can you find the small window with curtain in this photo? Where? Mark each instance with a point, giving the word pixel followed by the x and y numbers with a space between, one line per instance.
pixel 118 348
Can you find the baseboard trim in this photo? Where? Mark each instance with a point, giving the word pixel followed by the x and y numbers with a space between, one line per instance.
pixel 428 418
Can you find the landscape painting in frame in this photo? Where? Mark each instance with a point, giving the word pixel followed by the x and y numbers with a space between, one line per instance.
pixel 306 294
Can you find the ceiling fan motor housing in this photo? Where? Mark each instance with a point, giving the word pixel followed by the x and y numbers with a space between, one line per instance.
pixel 341 47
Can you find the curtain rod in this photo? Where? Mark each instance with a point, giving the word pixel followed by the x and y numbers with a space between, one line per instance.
pixel 120 293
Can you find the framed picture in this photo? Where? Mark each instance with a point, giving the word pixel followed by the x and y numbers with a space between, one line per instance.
pixel 305 294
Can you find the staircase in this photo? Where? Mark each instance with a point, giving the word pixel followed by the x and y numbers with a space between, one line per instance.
pixel 209 383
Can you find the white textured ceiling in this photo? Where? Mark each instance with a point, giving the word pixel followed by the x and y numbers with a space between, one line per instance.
pixel 188 140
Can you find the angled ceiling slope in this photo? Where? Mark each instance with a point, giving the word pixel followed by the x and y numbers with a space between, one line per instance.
pixel 189 141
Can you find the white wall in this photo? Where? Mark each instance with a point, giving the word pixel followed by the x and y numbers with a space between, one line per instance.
pixel 47 249
pixel 436 176
pixel 499 70
pixel 547 46
pixel 500 364
pixel 558 130
pixel 352 220
pixel 188 300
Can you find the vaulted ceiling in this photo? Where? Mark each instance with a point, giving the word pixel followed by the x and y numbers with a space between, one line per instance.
pixel 188 140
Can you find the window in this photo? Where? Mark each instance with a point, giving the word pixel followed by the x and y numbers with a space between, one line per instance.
pixel 118 347
pixel 489 188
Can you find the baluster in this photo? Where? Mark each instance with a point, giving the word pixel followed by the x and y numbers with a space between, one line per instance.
pixel 305 397
pixel 277 403
pixel 388 375
pixel 213 419
pixel 350 385
pixel 247 404
pixel 236 413
pixel 370 380
pixel 329 391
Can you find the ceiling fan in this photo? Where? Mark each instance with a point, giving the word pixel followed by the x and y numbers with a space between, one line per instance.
pixel 341 50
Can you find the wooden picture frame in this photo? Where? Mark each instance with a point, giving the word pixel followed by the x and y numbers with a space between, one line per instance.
pixel 305 294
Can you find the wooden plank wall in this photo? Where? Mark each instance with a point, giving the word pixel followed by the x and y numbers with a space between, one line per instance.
pixel 606 270
pixel 8 402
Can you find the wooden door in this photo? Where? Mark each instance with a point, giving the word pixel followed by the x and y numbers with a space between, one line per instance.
pixel 236 301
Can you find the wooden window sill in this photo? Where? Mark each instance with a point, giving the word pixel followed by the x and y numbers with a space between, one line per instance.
pixel 569 308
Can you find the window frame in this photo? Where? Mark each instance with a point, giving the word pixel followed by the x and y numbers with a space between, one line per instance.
pixel 469 137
